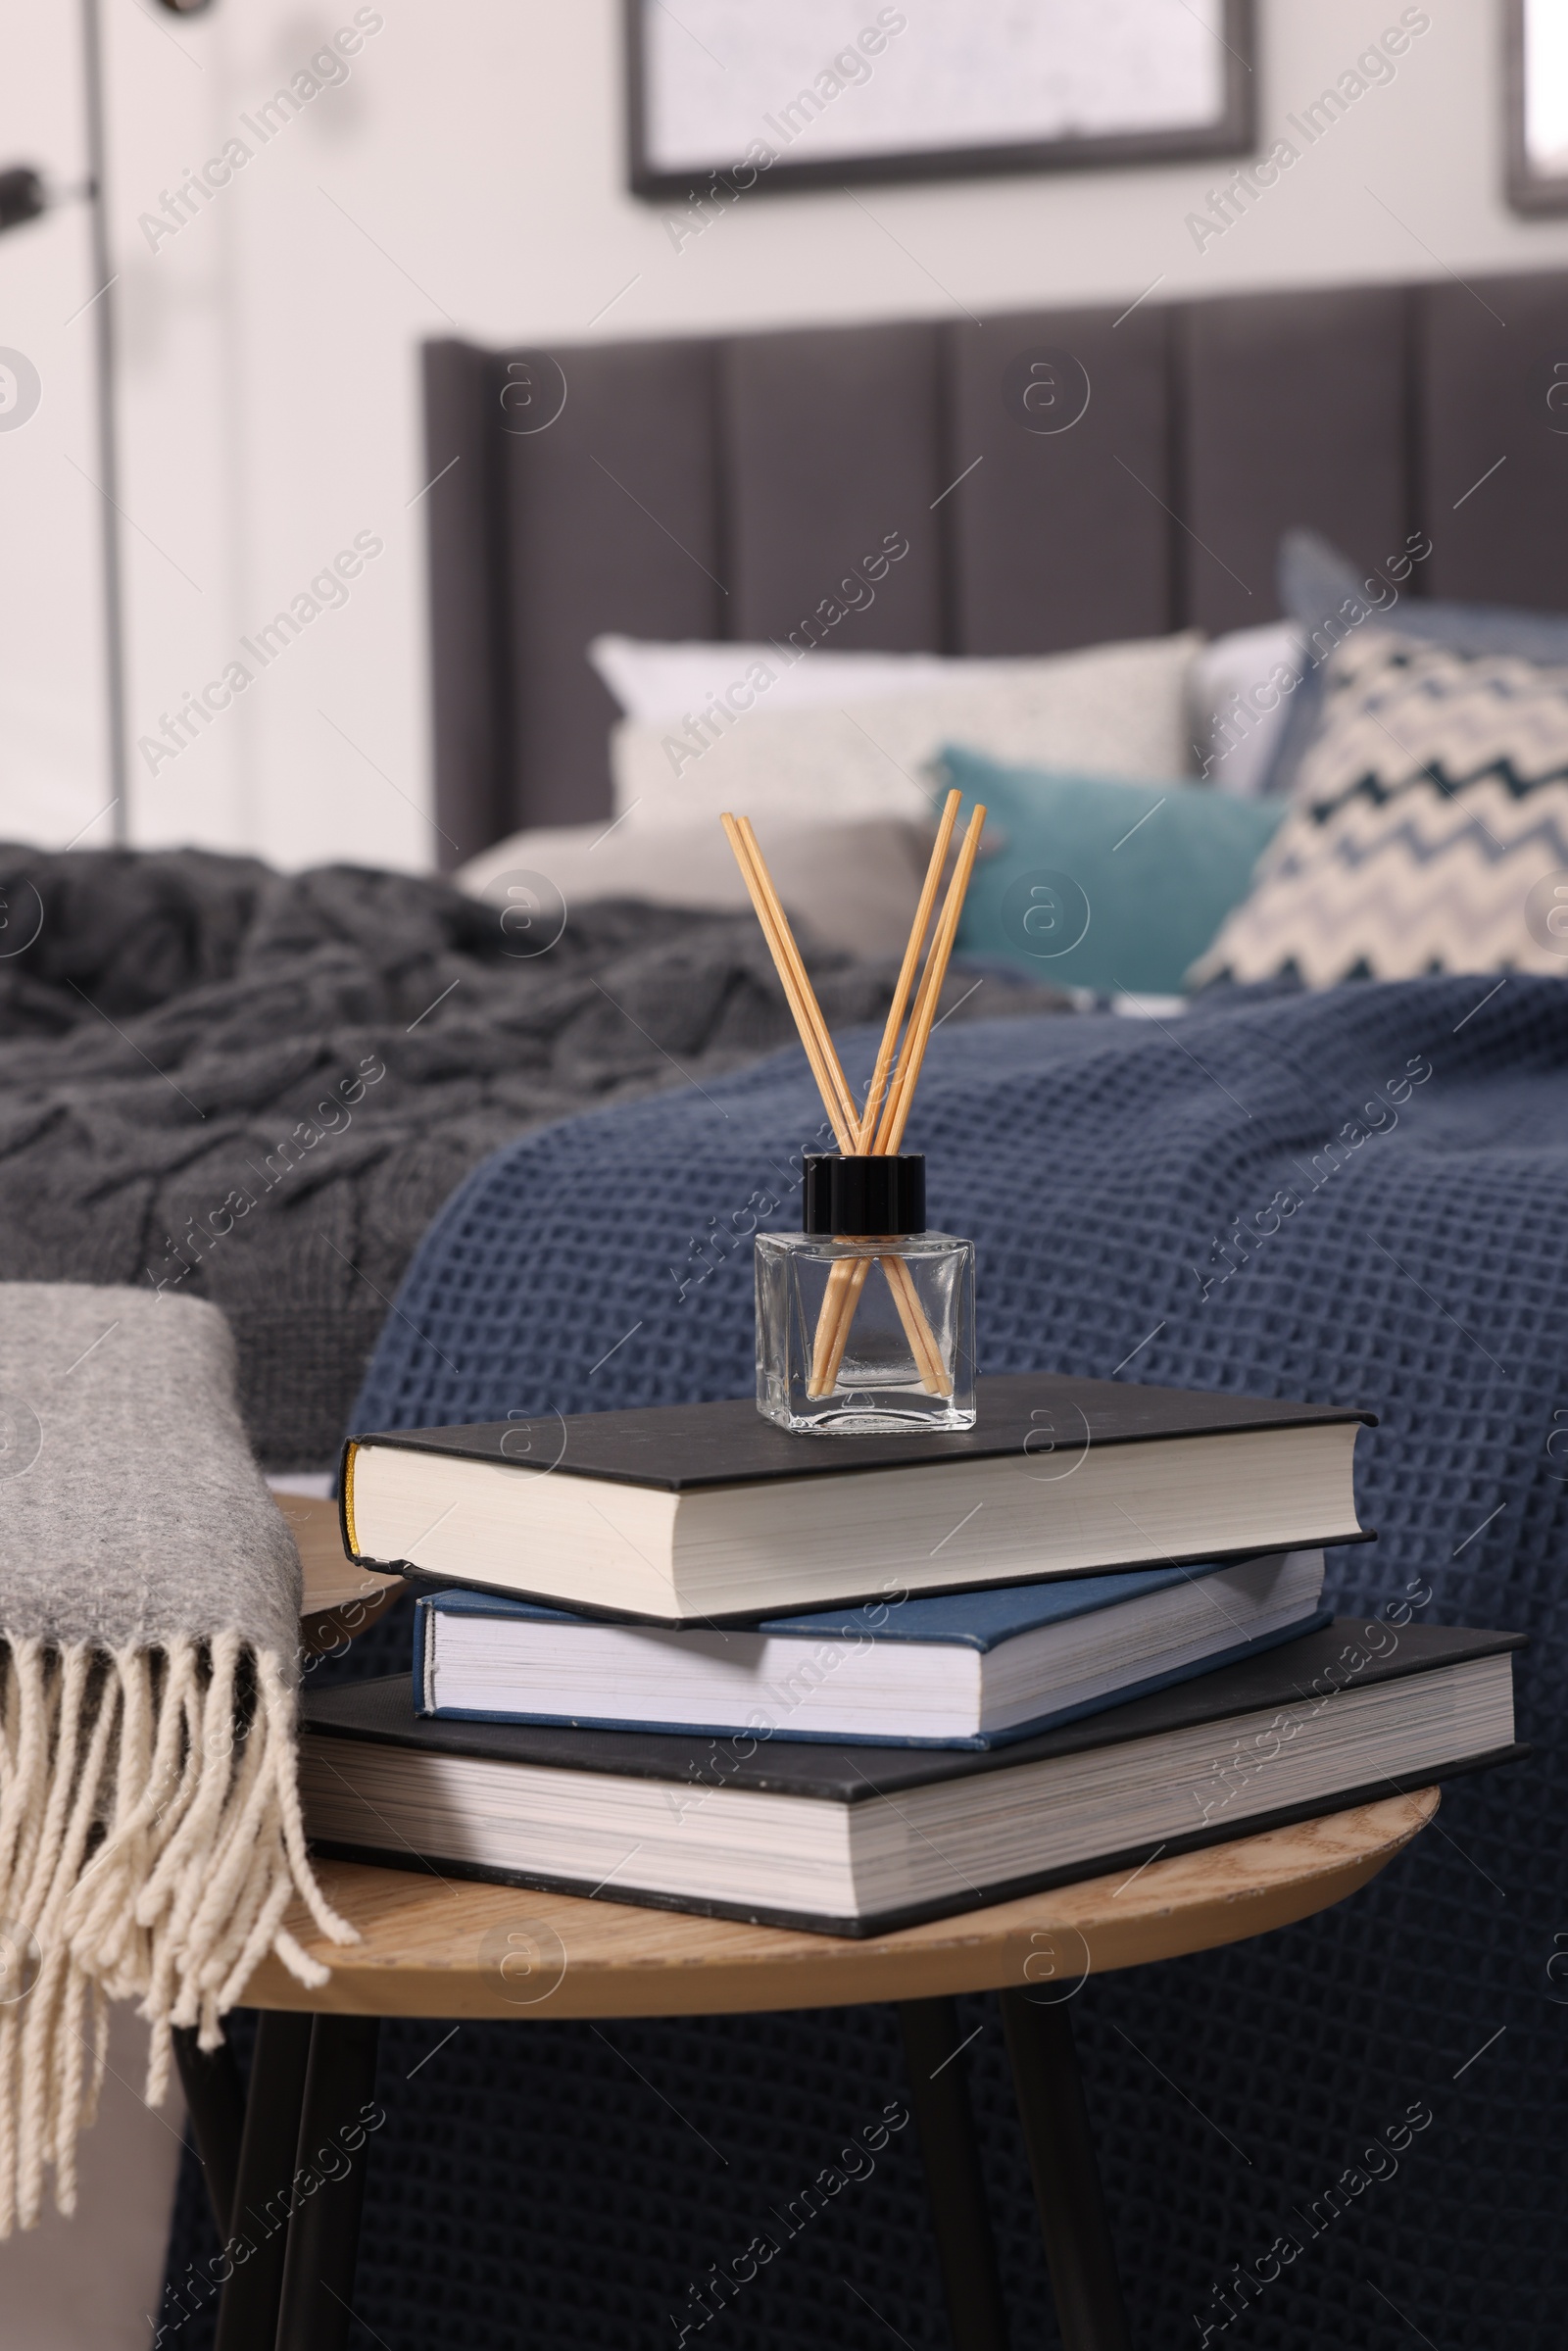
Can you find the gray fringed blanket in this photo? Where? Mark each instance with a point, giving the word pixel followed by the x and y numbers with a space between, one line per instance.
pixel 150 1837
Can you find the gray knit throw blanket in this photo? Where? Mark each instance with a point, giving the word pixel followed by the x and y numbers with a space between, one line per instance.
pixel 150 1836
pixel 258 1088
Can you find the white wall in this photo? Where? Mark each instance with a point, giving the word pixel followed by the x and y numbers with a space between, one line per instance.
pixel 468 178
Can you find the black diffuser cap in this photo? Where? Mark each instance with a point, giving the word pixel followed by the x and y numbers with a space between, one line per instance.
pixel 874 1194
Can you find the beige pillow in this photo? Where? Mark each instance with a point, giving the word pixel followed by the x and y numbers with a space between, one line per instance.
pixel 851 886
pixel 1116 709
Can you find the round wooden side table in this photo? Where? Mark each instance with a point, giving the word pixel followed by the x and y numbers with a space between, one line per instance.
pixel 464 1950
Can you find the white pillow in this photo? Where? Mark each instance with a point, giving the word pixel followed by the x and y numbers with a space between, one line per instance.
pixel 661 683
pixel 853 885
pixel 1240 704
pixel 1114 709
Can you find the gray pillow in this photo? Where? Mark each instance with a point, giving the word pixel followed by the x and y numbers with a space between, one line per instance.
pixel 1329 599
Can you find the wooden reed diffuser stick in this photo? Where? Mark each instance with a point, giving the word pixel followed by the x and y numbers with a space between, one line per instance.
pixel 894 1117
pixel 847 1276
pixel 826 1067
pixel 901 1095
pixel 888 1050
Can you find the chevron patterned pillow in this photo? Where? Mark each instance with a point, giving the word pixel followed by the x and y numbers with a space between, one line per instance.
pixel 1429 826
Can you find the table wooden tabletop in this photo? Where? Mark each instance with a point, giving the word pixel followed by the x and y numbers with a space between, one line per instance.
pixel 438 1947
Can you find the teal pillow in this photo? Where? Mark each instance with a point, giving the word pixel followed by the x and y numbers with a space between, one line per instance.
pixel 1094 883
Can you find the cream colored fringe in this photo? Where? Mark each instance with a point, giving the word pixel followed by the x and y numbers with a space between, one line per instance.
pixel 150 1843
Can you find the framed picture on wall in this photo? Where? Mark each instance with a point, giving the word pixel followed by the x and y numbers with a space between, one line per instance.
pixel 1536 80
pixel 787 94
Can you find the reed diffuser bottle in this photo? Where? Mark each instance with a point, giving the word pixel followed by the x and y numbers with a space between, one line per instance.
pixel 864 1320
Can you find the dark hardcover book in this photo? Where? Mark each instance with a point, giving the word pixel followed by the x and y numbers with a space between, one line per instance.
pixel 849 1840
pixel 708 1512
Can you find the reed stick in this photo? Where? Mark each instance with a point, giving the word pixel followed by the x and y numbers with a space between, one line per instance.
pixel 826 1068
pixel 901 1095
pixel 847 1277
pixel 837 1318
pixel 887 1049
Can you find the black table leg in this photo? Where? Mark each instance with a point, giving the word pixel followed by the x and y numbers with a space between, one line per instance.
pixel 940 2095
pixel 214 2099
pixel 324 2239
pixel 1062 2159
pixel 258 2232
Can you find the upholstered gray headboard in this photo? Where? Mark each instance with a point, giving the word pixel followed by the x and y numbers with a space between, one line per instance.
pixel 721 486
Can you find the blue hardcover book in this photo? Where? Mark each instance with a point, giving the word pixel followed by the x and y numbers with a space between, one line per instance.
pixel 969 1669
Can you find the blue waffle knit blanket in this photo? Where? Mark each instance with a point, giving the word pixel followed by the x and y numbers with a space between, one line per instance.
pixel 1359 1197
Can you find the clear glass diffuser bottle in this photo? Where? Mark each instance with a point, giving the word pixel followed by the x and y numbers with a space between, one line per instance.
pixel 864 1320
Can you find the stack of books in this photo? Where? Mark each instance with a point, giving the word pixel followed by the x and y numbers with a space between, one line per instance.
pixel 682 1657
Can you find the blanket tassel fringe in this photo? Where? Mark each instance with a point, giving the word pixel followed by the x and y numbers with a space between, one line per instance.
pixel 150 1843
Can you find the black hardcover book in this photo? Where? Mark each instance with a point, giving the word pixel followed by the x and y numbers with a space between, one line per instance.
pixel 851 1839
pixel 707 1512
